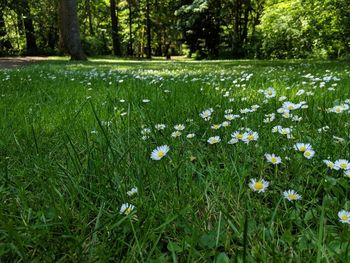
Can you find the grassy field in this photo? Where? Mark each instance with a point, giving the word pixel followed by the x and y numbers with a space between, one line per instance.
pixel 82 180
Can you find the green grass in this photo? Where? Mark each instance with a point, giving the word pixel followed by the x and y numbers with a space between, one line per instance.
pixel 70 150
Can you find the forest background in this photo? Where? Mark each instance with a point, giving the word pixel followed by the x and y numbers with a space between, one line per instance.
pixel 201 29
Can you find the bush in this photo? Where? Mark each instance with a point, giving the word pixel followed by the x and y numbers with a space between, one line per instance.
pixel 95 45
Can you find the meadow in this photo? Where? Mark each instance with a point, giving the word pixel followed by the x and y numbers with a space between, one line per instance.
pixel 175 161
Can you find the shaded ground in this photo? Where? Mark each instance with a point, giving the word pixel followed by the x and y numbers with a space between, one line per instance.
pixel 12 62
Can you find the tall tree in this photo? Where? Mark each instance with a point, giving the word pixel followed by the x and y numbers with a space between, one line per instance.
pixel 24 12
pixel 88 11
pixel 69 29
pixel 130 46
pixel 149 36
pixel 115 27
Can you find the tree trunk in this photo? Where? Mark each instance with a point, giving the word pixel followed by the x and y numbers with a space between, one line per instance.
pixel 115 31
pixel 167 52
pixel 158 11
pixel 130 47
pixel 247 10
pixel 69 29
pixel 4 43
pixel 237 34
pixel 29 29
pixel 148 22
pixel 88 11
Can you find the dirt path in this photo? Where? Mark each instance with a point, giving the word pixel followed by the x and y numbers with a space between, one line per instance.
pixel 13 62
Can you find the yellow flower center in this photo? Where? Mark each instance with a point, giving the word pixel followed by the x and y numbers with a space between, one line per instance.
pixel 269 93
pixel 259 186
pixel 161 154
pixel 337 110
pixel 292 197
pixel 307 153
pixel 302 148
pixel 343 165
pixel 331 165
pixel 128 210
pixel 345 218
pixel 274 160
pixel 290 107
pixel 250 137
pixel 239 136
pixel 214 140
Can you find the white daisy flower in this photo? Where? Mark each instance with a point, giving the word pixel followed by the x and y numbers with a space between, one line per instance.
pixel 272 158
pixel 285 131
pixel 282 98
pixel 309 153
pixel 190 135
pixel 160 126
pixel 216 126
pixel 159 152
pixel 302 147
pixel 291 195
pixel 342 164
pixel 243 111
pixel 344 216
pixel 338 139
pixel 237 135
pixel 179 127
pixel 337 109
pixel 206 114
pixel 250 136
pixel 259 186
pixel 270 93
pixel 229 117
pixel 300 92
pixel 133 191
pixel 286 115
pixel 145 131
pixel 225 124
pixel 176 134
pixel 126 209
pixel 330 164
pixel 214 140
pixel 276 129
pixel 282 111
pixel 233 141
pixel 297 118
pixel 291 106
pixel 269 118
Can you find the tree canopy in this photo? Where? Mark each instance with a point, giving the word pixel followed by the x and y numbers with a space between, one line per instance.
pixel 197 28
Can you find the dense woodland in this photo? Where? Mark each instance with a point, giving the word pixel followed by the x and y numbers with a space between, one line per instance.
pixel 195 28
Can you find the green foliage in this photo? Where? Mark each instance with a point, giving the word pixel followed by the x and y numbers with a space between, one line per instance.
pixel 209 28
pixel 300 29
pixel 94 45
pixel 200 22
